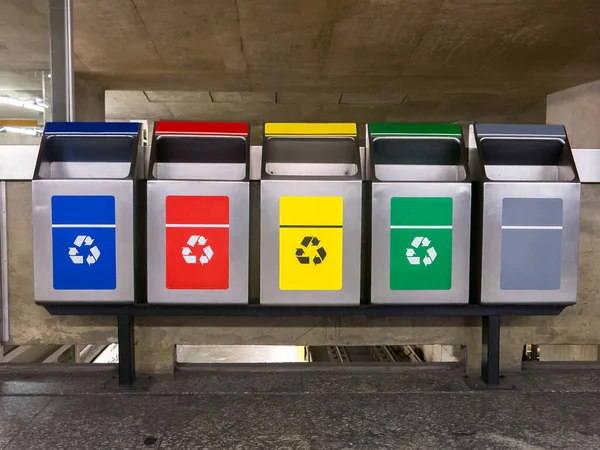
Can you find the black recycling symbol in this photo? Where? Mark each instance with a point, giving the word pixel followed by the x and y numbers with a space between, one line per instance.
pixel 312 242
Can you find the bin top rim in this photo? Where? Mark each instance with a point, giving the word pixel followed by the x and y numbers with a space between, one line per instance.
pixel 308 130
pixel 508 131
pixel 92 128
pixel 421 130
pixel 183 128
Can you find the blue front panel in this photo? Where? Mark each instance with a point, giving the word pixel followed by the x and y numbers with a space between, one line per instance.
pixel 84 242
pixel 80 269
pixel 83 209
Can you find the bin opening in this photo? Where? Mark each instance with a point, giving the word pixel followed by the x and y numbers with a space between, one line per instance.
pixel 87 157
pixel 418 159
pixel 321 157
pixel 200 158
pixel 525 159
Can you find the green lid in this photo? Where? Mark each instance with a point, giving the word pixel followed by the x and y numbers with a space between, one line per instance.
pixel 415 129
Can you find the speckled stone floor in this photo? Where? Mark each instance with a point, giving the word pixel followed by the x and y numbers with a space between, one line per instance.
pixel 267 407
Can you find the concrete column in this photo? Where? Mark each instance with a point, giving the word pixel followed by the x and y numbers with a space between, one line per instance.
pixel 89 101
pixel 577 108
pixel 154 348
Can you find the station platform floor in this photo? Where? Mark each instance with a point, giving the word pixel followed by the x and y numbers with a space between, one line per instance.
pixel 290 407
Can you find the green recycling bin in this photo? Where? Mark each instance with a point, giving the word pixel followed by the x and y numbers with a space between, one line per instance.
pixel 421 214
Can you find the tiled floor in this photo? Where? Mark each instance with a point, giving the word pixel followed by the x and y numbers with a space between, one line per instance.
pixel 305 408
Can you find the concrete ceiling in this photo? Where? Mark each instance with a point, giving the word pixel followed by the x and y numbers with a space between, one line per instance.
pixel 361 60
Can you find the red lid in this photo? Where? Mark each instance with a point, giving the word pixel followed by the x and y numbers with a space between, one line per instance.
pixel 202 128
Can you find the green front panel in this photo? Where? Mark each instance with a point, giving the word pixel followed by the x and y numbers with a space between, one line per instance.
pixel 421 243
pixel 415 129
pixel 415 211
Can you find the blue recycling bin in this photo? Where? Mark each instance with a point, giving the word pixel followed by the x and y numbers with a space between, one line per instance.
pixel 83 195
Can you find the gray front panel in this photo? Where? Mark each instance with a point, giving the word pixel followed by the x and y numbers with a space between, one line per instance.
pixel 271 193
pixel 42 193
pixel 380 257
pixel 238 193
pixel 530 243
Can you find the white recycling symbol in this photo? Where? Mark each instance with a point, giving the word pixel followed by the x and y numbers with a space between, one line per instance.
pixel 207 252
pixel 85 241
pixel 415 259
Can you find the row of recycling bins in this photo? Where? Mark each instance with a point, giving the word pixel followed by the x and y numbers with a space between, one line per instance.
pixel 424 225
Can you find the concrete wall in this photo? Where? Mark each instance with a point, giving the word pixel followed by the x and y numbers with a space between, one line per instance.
pixel 18 139
pixel 156 337
pixel 89 101
pixel 578 109
pixel 31 324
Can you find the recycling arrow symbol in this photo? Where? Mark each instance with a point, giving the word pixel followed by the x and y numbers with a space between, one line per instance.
pixel 416 260
pixel 85 241
pixel 310 242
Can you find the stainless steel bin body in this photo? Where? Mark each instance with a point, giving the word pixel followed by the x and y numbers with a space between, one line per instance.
pixel 83 213
pixel 198 213
pixel 421 214
pixel 311 206
pixel 528 211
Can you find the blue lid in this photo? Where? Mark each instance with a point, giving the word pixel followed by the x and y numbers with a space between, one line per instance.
pixel 127 128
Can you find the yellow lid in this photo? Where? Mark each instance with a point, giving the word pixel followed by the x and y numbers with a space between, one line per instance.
pixel 310 129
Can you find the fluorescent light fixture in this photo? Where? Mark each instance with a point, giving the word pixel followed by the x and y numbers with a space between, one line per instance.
pixel 19 130
pixel 10 101
pixel 35 105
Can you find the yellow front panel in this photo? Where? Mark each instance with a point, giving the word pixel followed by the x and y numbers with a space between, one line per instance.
pixel 312 273
pixel 311 211
pixel 310 243
pixel 310 129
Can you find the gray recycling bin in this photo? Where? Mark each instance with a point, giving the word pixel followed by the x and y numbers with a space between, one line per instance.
pixel 421 214
pixel 311 193
pixel 83 196
pixel 527 215
pixel 198 213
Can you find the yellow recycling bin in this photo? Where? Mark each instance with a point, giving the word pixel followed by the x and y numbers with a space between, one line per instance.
pixel 311 194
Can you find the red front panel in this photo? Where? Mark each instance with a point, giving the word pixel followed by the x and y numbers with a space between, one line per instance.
pixel 197 242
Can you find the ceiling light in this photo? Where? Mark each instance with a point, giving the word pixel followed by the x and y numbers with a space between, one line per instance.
pixel 27 131
pixel 35 105
pixel 10 101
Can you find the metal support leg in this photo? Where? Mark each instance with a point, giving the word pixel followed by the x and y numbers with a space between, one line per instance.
pixel 490 356
pixel 126 351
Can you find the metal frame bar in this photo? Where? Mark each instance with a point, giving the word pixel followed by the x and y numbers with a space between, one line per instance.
pixel 4 323
pixel 490 329
pixel 490 350
pixel 144 309
pixel 126 338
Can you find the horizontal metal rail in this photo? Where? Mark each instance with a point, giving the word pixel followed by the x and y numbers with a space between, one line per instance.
pixel 144 309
